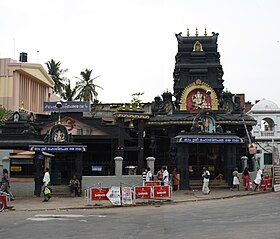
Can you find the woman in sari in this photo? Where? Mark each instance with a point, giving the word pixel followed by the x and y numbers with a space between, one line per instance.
pixel 246 179
pixel 175 179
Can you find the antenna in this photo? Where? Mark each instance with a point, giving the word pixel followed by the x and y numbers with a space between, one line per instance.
pixel 37 56
pixel 14 43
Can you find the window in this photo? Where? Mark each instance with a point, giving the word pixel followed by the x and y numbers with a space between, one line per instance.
pixel 267 158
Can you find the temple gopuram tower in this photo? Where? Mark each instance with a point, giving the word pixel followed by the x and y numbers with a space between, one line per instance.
pixel 198 71
pixel 200 124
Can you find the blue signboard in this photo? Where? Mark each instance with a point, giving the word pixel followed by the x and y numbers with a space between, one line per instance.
pixel 208 140
pixel 58 148
pixel 95 168
pixel 69 106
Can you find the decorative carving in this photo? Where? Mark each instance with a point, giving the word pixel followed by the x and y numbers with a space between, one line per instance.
pixel 198 100
pixel 204 122
pixel 30 130
pixel 237 105
pixel 59 134
pixel 197 46
pixel 209 93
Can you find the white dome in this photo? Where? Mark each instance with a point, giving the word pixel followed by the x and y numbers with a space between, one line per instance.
pixel 265 105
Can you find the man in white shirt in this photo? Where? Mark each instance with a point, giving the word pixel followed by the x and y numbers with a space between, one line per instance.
pixel 149 175
pixel 258 179
pixel 47 178
pixel 165 176
pixel 46 189
pixel 206 178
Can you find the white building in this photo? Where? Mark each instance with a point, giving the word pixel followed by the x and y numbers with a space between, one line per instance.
pixel 266 132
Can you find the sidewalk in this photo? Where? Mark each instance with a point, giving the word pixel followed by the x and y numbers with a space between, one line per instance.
pixel 64 203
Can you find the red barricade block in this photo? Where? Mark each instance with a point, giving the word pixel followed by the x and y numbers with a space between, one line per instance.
pixel 99 193
pixel 262 185
pixel 152 183
pixel 143 192
pixel 161 191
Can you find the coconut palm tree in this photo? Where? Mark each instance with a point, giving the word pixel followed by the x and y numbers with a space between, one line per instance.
pixel 56 73
pixel 68 93
pixel 85 87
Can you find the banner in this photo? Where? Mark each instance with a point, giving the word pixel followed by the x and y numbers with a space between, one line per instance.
pixel 126 195
pixel 143 192
pixel 69 106
pixel 99 193
pixel 252 148
pixel 152 183
pixel 161 191
pixel 182 139
pixel 114 195
pixel 58 148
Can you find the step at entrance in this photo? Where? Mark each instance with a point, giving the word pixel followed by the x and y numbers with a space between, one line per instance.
pixel 61 191
pixel 215 184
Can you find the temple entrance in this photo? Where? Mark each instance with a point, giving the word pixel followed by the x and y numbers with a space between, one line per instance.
pixel 62 168
pixel 205 155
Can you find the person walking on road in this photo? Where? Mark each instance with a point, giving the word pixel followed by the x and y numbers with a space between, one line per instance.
pixel 175 179
pixel 5 184
pixel 149 175
pixel 235 182
pixel 246 179
pixel 144 175
pixel 206 179
pixel 165 176
pixel 160 175
pixel 258 179
pixel 46 188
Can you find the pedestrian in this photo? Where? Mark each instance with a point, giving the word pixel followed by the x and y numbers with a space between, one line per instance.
pixel 5 184
pixel 75 186
pixel 144 175
pixel 149 175
pixel 235 181
pixel 46 189
pixel 206 179
pixel 246 179
pixel 160 174
pixel 165 176
pixel 258 179
pixel 175 179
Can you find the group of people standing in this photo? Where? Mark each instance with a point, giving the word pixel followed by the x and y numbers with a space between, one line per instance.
pixel 235 180
pixel 247 179
pixel 162 176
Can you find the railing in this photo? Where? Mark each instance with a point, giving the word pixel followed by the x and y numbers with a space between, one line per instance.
pixel 267 133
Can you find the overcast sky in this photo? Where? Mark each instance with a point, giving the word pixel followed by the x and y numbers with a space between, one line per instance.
pixel 132 46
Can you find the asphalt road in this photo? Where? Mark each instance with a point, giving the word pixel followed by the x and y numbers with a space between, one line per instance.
pixel 247 217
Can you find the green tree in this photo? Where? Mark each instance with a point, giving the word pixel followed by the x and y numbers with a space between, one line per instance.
pixel 56 73
pixel 135 103
pixel 68 94
pixel 85 87
pixel 4 115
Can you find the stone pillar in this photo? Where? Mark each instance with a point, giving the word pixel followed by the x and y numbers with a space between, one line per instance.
pixel 183 165
pixel 151 164
pixel 38 177
pixel 79 165
pixel 118 165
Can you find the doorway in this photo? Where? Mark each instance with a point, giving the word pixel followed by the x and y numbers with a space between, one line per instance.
pixel 62 168
pixel 205 155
